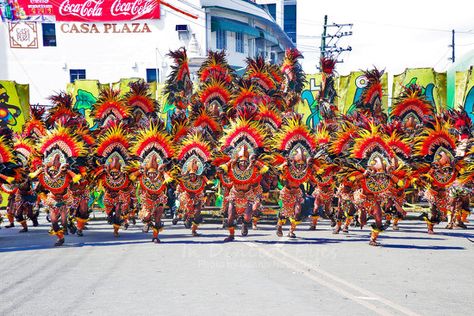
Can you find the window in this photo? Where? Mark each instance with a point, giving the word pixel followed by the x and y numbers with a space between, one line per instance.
pixel 272 10
pixel 49 34
pixel 289 24
pixel 152 74
pixel 75 74
pixel 221 39
pixel 260 47
pixel 239 42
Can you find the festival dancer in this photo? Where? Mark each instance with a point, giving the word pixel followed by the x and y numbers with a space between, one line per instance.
pixel 437 169
pixel 193 159
pixel 59 149
pixel 178 86
pixel 402 148
pixel 155 151
pixel 80 190
pixel 25 197
pixel 270 118
pixel 243 144
pixel 373 164
pixel 323 179
pixel 297 146
pixel 113 152
pixel 141 104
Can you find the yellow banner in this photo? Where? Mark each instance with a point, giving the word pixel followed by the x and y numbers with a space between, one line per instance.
pixel 84 93
pixel 349 90
pixel 14 111
pixel 124 88
pixel 14 104
pixel 433 83
pixel 309 100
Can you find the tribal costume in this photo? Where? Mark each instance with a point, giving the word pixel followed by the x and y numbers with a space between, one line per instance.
pixel 374 165
pixel 178 86
pixel 403 152
pixel 109 109
pixel 292 83
pixel 25 197
pixel 437 170
pixel 80 191
pixel 193 160
pixel 140 101
pixel 412 112
pixel 322 178
pixel 113 152
pixel 60 114
pixel 243 142
pixel 328 93
pixel 296 146
pixel 216 84
pixel 59 149
pixel 35 128
pixel 370 102
pixel 154 149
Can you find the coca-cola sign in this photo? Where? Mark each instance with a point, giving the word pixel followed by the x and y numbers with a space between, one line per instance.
pixel 93 10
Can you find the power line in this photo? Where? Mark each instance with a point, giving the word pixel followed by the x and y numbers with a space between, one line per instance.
pixel 442 58
pixel 326 39
pixel 471 31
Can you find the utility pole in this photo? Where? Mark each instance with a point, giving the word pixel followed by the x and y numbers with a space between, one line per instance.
pixel 453 56
pixel 326 39
pixel 323 37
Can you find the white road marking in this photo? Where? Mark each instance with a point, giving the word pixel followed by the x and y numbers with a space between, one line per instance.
pixel 339 290
pixel 345 283
pixel 309 271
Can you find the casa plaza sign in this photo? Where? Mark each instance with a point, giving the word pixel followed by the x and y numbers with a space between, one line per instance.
pixel 95 28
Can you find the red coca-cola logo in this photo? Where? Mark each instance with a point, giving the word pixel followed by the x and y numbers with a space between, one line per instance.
pixel 95 10
pixel 89 8
pixel 134 8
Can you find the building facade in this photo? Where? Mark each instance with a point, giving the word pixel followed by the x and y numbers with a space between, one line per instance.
pixel 47 52
pixel 284 13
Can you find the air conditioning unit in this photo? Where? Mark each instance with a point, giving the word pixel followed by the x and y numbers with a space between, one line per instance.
pixel 182 28
pixel 183 31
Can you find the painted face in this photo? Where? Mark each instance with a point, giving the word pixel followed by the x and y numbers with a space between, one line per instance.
pixel 378 106
pixel 300 165
pixel 54 167
pixel 53 171
pixel 152 175
pixel 215 107
pixel 243 164
pixel 115 173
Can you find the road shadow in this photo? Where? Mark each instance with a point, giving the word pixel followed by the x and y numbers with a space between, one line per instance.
pixel 309 241
pixel 415 247
pixel 457 234
pixel 408 237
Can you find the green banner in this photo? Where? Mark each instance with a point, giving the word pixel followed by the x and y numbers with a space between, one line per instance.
pixel 464 97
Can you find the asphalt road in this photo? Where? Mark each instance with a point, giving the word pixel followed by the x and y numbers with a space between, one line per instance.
pixel 316 274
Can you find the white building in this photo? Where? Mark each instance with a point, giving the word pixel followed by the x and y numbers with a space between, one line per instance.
pixel 284 12
pixel 47 54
